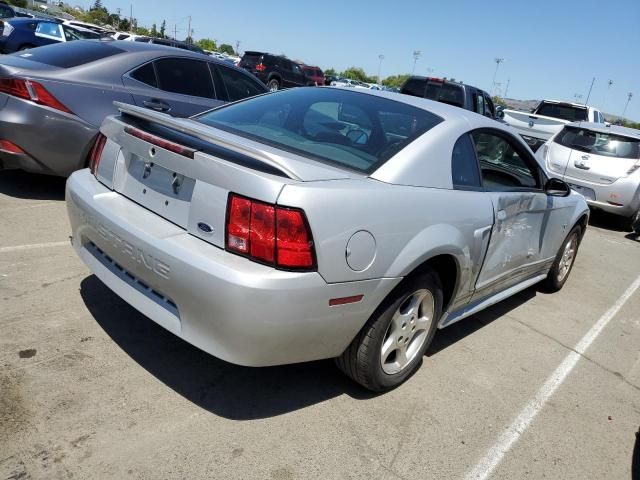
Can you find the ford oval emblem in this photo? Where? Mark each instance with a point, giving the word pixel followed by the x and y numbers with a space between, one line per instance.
pixel 205 227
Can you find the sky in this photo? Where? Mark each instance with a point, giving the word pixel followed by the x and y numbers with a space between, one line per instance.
pixel 551 49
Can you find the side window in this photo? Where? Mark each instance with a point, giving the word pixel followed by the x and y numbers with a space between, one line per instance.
pixel 145 74
pixel 238 84
pixel 501 166
pixel 49 30
pixel 296 69
pixel 70 34
pixel 479 103
pixel 490 109
pixel 185 76
pixel 6 12
pixel 464 165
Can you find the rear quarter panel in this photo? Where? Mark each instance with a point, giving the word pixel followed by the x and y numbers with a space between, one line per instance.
pixel 409 225
pixel 92 102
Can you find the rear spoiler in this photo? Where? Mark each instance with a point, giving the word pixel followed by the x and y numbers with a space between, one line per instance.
pixel 204 133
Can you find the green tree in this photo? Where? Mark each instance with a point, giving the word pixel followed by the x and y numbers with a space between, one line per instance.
pixel 331 71
pixel 154 31
pixel 497 101
pixel 18 3
pixel 207 44
pixel 141 31
pixel 356 73
pixel 97 5
pixel 226 48
pixel 395 81
pixel 163 28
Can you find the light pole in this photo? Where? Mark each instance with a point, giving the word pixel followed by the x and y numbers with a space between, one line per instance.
pixel 416 56
pixel 498 62
pixel 606 93
pixel 506 90
pixel 629 95
pixel 380 57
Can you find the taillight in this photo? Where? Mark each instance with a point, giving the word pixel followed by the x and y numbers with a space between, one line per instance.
pixel 6 29
pixel 270 234
pixel 10 147
pixel 96 153
pixel 260 67
pixel 160 142
pixel 31 90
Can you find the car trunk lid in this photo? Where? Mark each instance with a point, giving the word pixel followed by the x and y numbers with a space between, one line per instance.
pixel 184 171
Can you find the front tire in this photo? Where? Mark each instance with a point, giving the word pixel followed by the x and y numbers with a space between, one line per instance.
pixel 273 85
pixel 391 345
pixel 633 224
pixel 563 263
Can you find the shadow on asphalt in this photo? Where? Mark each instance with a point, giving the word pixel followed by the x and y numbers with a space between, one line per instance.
pixel 227 390
pixel 18 184
pixel 607 221
pixel 454 333
pixel 635 460
pixel 232 391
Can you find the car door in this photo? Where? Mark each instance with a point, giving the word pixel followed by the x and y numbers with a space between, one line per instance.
pixel 527 222
pixel 179 86
pixel 298 77
pixel 47 33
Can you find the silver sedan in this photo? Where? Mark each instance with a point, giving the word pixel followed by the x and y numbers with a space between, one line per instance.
pixel 320 223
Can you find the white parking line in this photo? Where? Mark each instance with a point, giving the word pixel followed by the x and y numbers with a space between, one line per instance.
pixel 511 435
pixel 33 246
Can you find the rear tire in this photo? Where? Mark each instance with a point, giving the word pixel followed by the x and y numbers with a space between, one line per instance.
pixel 563 263
pixel 391 345
pixel 633 224
pixel 273 85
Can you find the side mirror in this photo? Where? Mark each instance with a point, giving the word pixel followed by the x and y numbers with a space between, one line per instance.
pixel 499 112
pixel 557 188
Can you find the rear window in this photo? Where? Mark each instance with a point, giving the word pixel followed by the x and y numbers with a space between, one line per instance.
pixel 448 93
pixel 349 129
pixel 251 59
pixel 563 112
pixel 414 86
pixel 597 143
pixel 70 54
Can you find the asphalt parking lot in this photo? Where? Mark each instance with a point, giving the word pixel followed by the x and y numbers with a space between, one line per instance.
pixel 89 388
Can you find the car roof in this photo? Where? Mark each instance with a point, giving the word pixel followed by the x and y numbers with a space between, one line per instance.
pixel 447 112
pixel 608 128
pixel 129 46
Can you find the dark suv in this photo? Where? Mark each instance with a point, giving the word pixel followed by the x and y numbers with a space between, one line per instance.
pixel 452 93
pixel 275 71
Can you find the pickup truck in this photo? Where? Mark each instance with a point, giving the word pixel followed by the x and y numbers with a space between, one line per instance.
pixel 451 92
pixel 547 119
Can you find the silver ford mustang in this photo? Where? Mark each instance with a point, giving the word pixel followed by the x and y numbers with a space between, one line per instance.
pixel 320 223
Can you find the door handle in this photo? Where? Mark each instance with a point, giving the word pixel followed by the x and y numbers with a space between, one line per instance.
pixel 157 105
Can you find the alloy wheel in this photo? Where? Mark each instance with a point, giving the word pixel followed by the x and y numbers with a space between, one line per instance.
pixel 407 332
pixel 568 257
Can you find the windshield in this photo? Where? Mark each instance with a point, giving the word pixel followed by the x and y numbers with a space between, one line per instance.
pixel 353 130
pixel 596 143
pixel 563 112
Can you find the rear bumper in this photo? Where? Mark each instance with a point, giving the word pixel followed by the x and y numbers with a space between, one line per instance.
pixel 55 143
pixel 235 309
pixel 624 192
